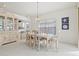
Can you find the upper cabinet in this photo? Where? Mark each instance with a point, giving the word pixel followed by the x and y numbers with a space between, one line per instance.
pixel 11 22
pixel 8 22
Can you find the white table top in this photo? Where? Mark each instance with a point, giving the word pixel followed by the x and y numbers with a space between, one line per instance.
pixel 44 35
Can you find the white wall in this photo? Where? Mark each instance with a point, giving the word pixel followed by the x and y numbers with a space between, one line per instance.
pixel 68 36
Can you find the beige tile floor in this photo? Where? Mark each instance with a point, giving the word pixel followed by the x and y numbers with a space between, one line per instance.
pixel 21 49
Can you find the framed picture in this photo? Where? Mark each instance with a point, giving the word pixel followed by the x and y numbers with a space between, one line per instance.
pixel 65 26
pixel 65 20
pixel 65 23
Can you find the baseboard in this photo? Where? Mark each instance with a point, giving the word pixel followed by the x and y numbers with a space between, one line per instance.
pixel 69 43
pixel 8 43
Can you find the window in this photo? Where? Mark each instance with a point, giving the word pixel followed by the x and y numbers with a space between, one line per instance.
pixel 21 25
pixel 48 27
pixel 24 25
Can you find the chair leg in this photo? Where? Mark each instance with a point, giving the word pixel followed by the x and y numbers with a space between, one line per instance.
pixel 50 43
pixel 47 44
pixel 56 43
pixel 39 46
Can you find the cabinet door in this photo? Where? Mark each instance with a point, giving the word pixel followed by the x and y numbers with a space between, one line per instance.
pixel 2 37
pixel 1 23
pixel 9 24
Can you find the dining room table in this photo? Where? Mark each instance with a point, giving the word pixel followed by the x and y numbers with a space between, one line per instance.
pixel 43 37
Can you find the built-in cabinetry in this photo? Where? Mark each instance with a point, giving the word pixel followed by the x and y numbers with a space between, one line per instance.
pixel 2 23
pixel 9 36
pixel 8 28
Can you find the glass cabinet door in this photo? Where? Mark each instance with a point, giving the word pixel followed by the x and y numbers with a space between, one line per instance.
pixel 9 24
pixel 1 23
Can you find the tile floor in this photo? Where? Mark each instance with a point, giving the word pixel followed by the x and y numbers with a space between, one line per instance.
pixel 21 49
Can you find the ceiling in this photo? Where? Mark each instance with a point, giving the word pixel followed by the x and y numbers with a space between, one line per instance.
pixel 30 8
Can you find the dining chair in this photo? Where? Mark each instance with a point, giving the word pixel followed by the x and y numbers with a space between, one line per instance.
pixel 53 41
pixel 33 40
pixel 28 39
pixel 41 41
